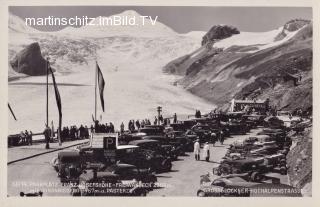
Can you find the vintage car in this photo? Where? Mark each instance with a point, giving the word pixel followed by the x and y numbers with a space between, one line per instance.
pixel 254 120
pixel 124 139
pixel 151 131
pixel 179 127
pixel 180 138
pixel 103 183
pixel 169 147
pixel 14 140
pixel 279 136
pixel 69 165
pixel 235 186
pixel 203 132
pixel 130 172
pixel 255 166
pixel 237 127
pixel 155 145
pixel 143 158
pixel 238 187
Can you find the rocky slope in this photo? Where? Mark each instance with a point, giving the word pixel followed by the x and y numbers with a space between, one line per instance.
pixel 252 65
pixel 29 61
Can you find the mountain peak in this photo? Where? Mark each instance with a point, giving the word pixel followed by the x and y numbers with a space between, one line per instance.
pixel 219 32
pixel 295 24
pixel 128 13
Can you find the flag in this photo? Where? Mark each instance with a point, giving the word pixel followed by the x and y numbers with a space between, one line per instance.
pixel 101 84
pixel 58 100
pixel 56 91
pixel 12 112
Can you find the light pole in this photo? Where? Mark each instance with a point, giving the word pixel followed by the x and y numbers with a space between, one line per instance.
pixel 159 109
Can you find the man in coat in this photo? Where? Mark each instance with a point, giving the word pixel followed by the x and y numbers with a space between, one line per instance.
pixel 206 151
pixel 196 151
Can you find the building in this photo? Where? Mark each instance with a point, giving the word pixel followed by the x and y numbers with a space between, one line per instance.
pixel 260 106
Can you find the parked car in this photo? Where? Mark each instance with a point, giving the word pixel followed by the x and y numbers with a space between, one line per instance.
pixel 255 166
pixel 148 130
pixel 143 158
pixel 120 180
pixel 155 145
pixel 68 165
pixel 239 187
pixel 235 186
pixel 168 146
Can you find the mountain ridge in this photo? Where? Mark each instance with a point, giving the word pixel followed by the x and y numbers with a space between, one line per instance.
pixel 251 71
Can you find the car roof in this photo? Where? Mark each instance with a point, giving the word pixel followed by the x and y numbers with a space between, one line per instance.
pixel 68 154
pixel 135 142
pixel 154 137
pixel 100 174
pixel 127 147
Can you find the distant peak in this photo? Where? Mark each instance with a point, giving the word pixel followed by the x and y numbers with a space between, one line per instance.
pixel 295 24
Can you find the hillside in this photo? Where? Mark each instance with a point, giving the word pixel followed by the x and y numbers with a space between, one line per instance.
pixel 252 65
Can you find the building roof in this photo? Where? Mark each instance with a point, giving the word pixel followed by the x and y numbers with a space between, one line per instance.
pixel 250 101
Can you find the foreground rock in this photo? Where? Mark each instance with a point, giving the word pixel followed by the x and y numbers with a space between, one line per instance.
pixel 29 61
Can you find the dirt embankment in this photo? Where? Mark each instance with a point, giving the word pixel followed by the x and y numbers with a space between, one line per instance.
pixel 299 160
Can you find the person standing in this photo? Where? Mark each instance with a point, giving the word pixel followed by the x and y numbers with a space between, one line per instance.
pixel 30 136
pixel 138 124
pixel 22 138
pixel 122 128
pixel 111 127
pixel 47 134
pixel 206 151
pixel 213 138
pixel 221 137
pixel 196 150
pixel 175 118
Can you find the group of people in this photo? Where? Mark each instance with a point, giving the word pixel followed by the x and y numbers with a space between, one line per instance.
pixel 133 125
pixel 205 152
pixel 103 128
pixel 75 133
pixel 26 137
pixel 198 114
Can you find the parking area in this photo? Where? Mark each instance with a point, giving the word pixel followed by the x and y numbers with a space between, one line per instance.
pixel 37 174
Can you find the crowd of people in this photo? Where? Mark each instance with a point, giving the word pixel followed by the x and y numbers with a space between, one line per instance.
pixel 74 133
pixel 26 137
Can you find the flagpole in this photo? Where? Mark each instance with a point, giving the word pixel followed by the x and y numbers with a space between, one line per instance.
pixel 95 94
pixel 47 105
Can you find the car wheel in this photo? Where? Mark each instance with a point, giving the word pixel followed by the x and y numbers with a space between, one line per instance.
pixel 256 177
pixel 225 169
pixel 141 192
pixel 283 170
pixel 201 194
pixel 168 166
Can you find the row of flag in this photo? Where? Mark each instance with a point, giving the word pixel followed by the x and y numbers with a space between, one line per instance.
pixel 101 84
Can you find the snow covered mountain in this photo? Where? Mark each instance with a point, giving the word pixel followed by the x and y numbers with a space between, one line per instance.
pixel 131 59
pixel 251 65
pixel 73 48
pixel 141 28
pixel 16 24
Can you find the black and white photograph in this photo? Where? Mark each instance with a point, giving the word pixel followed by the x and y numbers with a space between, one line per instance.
pixel 159 101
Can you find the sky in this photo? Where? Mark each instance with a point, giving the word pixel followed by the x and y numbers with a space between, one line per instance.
pixel 180 19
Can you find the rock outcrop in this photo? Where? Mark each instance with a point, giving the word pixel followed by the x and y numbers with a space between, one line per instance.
pixel 29 61
pixel 219 32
